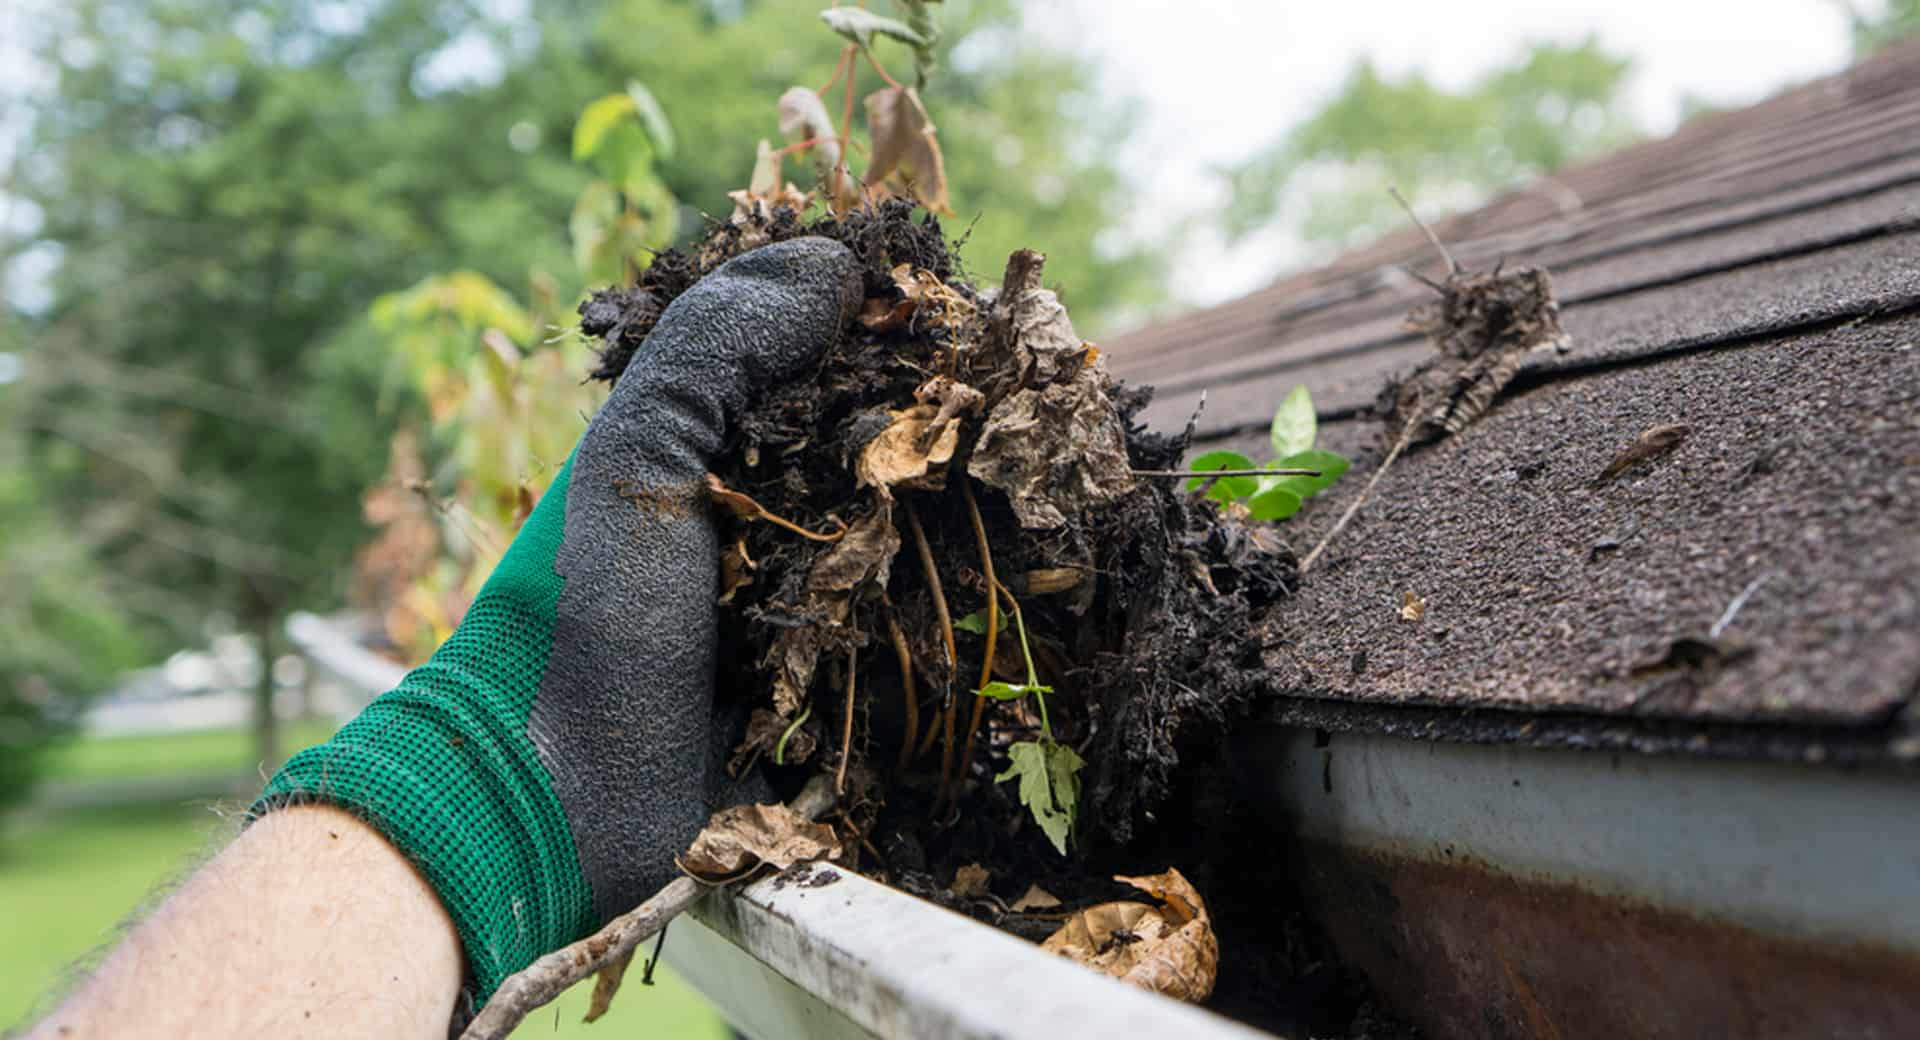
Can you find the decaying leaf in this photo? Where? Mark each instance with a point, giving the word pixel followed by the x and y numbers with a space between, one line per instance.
pixel 1483 325
pixel 765 731
pixel 1035 898
pixel 736 569
pixel 862 559
pixel 1170 949
pixel 903 455
pixel 803 117
pixel 970 882
pixel 1652 443
pixel 883 315
pixel 905 148
pixel 1055 450
pixel 765 192
pixel 742 838
pixel 1045 581
pixel 1413 606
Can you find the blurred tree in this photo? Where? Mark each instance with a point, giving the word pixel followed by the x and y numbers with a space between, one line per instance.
pixel 1894 20
pixel 220 188
pixel 1328 177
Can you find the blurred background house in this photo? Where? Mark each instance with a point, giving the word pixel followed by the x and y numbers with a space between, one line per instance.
pixel 287 288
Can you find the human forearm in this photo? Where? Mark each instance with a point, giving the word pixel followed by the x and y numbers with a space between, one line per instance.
pixel 310 924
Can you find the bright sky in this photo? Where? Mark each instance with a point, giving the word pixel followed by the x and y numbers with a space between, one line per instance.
pixel 1220 78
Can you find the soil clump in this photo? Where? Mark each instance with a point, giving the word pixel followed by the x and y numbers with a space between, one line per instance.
pixel 947 501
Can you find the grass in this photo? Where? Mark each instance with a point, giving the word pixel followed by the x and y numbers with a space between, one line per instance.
pixel 198 753
pixel 68 879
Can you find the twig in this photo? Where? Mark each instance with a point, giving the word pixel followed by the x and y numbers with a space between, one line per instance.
pixel 1226 472
pixel 1406 437
pixel 1452 267
pixel 946 628
pixel 542 982
pixel 607 982
pixel 846 727
pixel 1738 602
pixel 539 983
pixel 906 684
pixel 993 633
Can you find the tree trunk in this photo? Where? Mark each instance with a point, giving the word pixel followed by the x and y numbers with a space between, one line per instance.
pixel 266 726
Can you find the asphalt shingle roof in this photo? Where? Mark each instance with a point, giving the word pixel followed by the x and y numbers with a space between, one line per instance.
pixel 1756 277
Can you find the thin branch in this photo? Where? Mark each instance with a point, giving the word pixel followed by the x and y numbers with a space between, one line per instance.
pixel 1733 609
pixel 1406 437
pixel 1452 267
pixel 1226 472
pixel 993 632
pixel 908 692
pixel 846 727
pixel 542 982
pixel 940 610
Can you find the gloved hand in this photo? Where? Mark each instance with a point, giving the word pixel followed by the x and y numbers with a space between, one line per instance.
pixel 543 768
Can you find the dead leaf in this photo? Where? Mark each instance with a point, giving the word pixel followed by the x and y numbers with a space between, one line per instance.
pixel 900 455
pixel 765 730
pixel 736 569
pixel 1169 949
pixel 861 560
pixel 881 315
pixel 1056 450
pixel 905 147
pixel 1412 606
pixel 1035 898
pixel 606 983
pixel 970 882
pixel 742 838
pixel 1484 325
pixel 1046 581
pixel 803 117
pixel 1652 443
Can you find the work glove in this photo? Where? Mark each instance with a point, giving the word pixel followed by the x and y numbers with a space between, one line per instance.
pixel 543 768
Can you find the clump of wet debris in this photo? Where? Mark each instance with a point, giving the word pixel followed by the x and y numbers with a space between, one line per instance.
pixel 953 500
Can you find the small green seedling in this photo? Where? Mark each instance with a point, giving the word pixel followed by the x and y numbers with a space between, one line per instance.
pixel 1048 771
pixel 1276 497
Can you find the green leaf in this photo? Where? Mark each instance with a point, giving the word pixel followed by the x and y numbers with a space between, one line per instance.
pixel 652 117
pixel 1276 503
pixel 1294 423
pixel 597 120
pixel 976 622
pixel 1006 691
pixel 1225 489
pixel 1330 465
pixel 1049 775
pixel 859 25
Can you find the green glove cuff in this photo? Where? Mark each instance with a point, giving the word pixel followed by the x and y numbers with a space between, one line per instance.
pixel 442 766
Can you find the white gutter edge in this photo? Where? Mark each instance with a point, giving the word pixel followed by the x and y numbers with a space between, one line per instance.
pixel 842 956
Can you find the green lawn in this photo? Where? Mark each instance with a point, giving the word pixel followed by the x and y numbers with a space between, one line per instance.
pixel 68 878
pixel 198 753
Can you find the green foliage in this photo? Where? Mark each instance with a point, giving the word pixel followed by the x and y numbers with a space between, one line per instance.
pixel 1048 771
pixel 1049 775
pixel 1896 20
pixel 1274 497
pixel 976 622
pixel 1327 178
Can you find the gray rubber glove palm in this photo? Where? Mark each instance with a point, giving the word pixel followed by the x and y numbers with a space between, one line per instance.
pixel 550 759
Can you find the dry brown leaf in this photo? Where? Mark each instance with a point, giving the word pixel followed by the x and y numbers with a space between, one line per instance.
pixel 970 882
pixel 1413 606
pixel 736 569
pixel 881 315
pixel 902 455
pixel 1170 949
pixel 861 559
pixel 803 117
pixel 1046 581
pixel 1035 898
pixel 742 838
pixel 905 147
pixel 1056 450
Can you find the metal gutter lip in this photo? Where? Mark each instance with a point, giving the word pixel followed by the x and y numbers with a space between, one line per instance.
pixel 838 955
